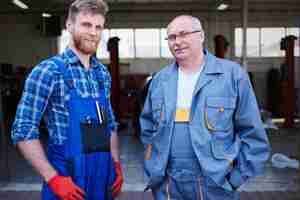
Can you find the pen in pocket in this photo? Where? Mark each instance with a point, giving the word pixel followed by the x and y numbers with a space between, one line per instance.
pixel 99 112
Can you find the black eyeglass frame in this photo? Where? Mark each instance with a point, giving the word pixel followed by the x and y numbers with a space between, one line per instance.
pixel 172 37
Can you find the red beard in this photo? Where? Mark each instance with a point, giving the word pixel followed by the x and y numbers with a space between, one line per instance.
pixel 87 45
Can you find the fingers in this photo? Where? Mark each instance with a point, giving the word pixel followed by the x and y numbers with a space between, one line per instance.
pixel 117 186
pixel 79 191
pixel 115 193
pixel 116 189
pixel 76 194
pixel 118 181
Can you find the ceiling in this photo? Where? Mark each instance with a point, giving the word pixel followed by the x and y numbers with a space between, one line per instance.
pixel 60 6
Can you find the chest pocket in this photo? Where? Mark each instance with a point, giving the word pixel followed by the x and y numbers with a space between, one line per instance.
pixel 219 113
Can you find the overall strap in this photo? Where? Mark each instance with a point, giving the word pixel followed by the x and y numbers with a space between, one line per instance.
pixel 62 64
pixel 100 80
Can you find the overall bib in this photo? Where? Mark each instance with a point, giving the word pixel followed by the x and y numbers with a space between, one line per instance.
pixel 85 156
pixel 184 178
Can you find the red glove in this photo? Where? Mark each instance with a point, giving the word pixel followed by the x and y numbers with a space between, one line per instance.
pixel 65 188
pixel 117 186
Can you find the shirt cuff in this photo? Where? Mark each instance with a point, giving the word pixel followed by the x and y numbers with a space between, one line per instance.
pixel 113 126
pixel 20 134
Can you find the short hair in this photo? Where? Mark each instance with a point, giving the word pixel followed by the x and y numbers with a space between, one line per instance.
pixel 196 23
pixel 90 6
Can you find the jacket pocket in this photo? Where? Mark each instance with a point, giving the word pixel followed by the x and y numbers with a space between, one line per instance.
pixel 218 113
pixel 225 148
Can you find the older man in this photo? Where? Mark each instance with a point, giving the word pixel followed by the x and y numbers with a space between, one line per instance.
pixel 201 126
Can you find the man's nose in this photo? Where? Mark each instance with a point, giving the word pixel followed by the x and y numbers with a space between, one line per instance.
pixel 178 39
pixel 93 31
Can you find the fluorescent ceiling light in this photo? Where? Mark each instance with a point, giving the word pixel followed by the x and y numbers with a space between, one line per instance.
pixel 20 4
pixel 46 15
pixel 222 6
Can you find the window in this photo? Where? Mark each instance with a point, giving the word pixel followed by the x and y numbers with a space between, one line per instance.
pixel 264 42
pixel 63 40
pixel 238 41
pixel 102 51
pixel 270 42
pixel 252 42
pixel 126 43
pixel 164 49
pixel 134 43
pixel 147 43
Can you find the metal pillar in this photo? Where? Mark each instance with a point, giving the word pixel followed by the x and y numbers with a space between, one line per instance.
pixel 113 48
pixel 221 46
pixel 288 92
pixel 245 25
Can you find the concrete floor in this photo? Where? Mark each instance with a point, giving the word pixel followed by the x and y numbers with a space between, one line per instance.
pixel 287 141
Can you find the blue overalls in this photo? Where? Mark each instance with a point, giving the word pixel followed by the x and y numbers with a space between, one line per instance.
pixel 184 179
pixel 90 166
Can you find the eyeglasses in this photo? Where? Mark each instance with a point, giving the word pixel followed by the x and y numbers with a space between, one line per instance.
pixel 182 35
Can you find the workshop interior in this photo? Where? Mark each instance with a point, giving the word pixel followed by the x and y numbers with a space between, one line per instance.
pixel 261 35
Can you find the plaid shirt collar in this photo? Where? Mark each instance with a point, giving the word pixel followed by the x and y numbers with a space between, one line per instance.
pixel 73 59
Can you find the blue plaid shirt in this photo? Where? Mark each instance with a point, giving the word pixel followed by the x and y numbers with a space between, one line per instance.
pixel 46 94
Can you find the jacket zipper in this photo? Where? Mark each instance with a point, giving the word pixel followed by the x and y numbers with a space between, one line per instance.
pixel 168 188
pixel 200 190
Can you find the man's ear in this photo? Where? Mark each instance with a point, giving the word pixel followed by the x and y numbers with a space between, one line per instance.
pixel 69 25
pixel 202 36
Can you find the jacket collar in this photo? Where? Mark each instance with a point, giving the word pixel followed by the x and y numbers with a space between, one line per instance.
pixel 211 66
pixel 170 79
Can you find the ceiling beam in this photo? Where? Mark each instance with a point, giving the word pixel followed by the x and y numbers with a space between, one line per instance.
pixel 61 8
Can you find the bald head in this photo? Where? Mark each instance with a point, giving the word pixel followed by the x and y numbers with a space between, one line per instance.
pixel 190 22
pixel 193 21
pixel 185 38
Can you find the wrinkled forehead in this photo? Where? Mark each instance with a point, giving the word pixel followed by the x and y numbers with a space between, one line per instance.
pixel 180 25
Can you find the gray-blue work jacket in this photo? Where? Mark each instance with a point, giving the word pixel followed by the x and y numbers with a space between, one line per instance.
pixel 225 126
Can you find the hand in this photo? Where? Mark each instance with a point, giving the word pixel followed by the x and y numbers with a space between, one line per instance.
pixel 117 186
pixel 64 188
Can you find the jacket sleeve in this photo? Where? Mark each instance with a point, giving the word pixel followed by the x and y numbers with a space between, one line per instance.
pixel 255 148
pixel 146 120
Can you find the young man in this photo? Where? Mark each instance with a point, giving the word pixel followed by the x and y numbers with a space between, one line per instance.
pixel 201 126
pixel 72 92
